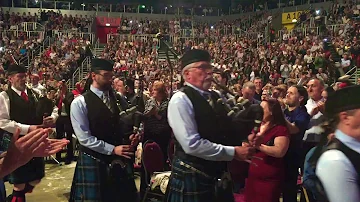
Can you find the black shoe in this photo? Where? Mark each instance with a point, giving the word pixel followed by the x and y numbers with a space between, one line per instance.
pixel 67 162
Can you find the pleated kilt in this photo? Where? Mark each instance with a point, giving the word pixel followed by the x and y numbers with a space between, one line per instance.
pixel 187 185
pixel 31 171
pixel 94 182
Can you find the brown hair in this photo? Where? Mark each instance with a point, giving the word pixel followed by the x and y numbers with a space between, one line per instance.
pixel 277 113
pixel 161 88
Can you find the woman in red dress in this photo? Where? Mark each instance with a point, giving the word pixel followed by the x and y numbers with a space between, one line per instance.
pixel 266 173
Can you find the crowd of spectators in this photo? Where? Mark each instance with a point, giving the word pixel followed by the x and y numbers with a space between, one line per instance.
pixel 51 63
pixel 251 68
pixel 244 58
pixel 288 60
pixel 187 27
pixel 57 21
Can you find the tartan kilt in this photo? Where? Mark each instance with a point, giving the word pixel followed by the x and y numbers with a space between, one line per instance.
pixel 186 185
pixel 91 183
pixel 31 171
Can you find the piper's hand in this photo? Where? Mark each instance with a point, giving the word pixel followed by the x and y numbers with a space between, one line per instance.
pixel 255 140
pixel 48 121
pixel 125 151
pixel 135 139
pixel 245 144
pixel 244 153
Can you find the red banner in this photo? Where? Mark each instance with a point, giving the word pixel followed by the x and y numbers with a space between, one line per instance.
pixel 108 21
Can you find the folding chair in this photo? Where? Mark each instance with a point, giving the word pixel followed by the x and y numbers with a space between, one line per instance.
pixel 152 161
pixel 305 195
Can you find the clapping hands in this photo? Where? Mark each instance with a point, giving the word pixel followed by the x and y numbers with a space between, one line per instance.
pixel 320 107
pixel 33 144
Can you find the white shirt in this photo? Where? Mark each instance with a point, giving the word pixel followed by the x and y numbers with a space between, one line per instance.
pixel 337 174
pixel 10 125
pixel 314 131
pixel 285 37
pixel 181 119
pixel 345 63
pixel 308 58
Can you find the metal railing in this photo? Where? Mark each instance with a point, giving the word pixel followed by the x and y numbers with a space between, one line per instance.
pixel 32 26
pixel 47 42
pixel 334 29
pixel 18 33
pixel 85 67
pixel 97 43
pixel 304 31
pixel 70 34
pixel 79 73
pixel 176 38
pixel 354 74
pixel 132 37
pixel 25 60
pixel 37 51
pixel 96 47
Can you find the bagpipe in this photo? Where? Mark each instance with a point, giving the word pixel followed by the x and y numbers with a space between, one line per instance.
pixel 245 117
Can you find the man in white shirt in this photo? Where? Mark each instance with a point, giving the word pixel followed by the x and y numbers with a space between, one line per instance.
pixel 36 86
pixel 308 58
pixel 199 156
pixel 315 107
pixel 345 64
pixel 19 109
pixel 338 168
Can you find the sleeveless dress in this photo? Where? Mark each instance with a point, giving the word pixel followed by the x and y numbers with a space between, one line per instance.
pixel 264 183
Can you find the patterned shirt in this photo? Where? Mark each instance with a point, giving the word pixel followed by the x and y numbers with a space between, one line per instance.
pixel 152 124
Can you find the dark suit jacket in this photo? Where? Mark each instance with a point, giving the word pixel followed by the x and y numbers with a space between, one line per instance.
pixel 69 97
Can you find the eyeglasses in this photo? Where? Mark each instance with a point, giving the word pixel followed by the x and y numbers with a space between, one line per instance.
pixel 106 75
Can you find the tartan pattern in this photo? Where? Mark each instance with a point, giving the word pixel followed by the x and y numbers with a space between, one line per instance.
pixel 93 182
pixel 31 171
pixel 5 139
pixel 186 185
pixel 86 182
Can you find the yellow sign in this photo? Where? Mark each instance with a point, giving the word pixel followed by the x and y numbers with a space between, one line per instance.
pixel 288 18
